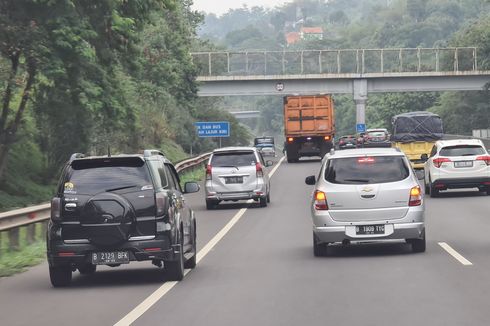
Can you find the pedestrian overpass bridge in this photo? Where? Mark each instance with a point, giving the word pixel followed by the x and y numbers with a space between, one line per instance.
pixel 354 71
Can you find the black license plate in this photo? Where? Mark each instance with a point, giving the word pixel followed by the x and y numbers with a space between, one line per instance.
pixel 110 257
pixel 370 229
pixel 229 180
pixel 463 164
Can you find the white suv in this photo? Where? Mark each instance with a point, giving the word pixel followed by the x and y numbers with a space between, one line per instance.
pixel 458 163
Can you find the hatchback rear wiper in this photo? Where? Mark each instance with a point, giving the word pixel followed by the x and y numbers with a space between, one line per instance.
pixel 121 188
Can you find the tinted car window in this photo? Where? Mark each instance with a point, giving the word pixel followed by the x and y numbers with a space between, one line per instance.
pixel 159 172
pixel 233 159
pixel 94 180
pixel 365 170
pixel 377 134
pixel 462 150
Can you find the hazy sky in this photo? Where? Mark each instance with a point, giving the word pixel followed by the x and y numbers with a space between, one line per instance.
pixel 221 6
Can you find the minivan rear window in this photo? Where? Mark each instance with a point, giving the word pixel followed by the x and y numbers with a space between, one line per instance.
pixel 233 159
pixel 366 170
pixel 462 150
pixel 90 179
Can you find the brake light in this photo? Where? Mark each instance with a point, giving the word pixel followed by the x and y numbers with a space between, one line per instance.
pixel 327 137
pixel 415 197
pixel 290 139
pixel 208 172
pixel 320 200
pixel 366 160
pixel 66 254
pixel 161 204
pixel 258 169
pixel 485 158
pixel 438 161
pixel 56 209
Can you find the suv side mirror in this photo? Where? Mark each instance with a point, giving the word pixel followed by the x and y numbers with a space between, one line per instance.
pixel 269 163
pixel 424 157
pixel 311 180
pixel 191 187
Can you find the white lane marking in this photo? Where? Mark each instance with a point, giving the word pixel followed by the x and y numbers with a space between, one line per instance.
pixel 455 254
pixel 167 286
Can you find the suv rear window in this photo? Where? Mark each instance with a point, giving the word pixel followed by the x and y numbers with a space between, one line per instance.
pixel 462 150
pixel 233 159
pixel 95 176
pixel 366 170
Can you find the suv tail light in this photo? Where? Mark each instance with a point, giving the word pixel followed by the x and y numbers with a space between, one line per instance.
pixel 56 209
pixel 485 158
pixel 438 161
pixel 208 172
pixel 415 197
pixel 320 200
pixel 258 169
pixel 161 201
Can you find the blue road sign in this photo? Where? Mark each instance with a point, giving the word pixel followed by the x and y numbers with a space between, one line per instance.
pixel 361 127
pixel 213 129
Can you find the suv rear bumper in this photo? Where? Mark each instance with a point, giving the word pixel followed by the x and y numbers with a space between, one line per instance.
pixel 76 254
pixel 454 183
pixel 255 195
pixel 398 231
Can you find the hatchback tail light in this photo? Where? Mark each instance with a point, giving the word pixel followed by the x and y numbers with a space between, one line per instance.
pixel 485 158
pixel 161 201
pixel 56 209
pixel 415 197
pixel 438 161
pixel 320 200
pixel 208 172
pixel 258 169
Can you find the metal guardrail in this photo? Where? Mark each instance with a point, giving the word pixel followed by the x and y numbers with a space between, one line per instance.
pixel 40 213
pixel 348 61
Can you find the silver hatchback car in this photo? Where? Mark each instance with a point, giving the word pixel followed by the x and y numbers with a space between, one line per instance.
pixel 237 173
pixel 366 195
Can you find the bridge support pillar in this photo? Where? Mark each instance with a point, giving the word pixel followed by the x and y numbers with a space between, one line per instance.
pixel 360 97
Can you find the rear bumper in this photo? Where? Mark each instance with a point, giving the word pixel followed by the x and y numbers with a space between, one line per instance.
pixel 454 183
pixel 161 249
pixel 394 231
pixel 237 195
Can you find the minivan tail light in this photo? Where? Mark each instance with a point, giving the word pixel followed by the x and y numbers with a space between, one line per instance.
pixel 485 158
pixel 161 201
pixel 415 197
pixel 258 169
pixel 438 161
pixel 320 200
pixel 208 172
pixel 56 209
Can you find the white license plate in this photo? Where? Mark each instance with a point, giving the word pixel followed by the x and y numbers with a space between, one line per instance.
pixel 463 164
pixel 110 257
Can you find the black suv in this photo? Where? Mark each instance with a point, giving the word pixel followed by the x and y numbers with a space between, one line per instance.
pixel 110 210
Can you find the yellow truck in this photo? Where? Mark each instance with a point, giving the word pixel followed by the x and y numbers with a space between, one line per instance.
pixel 415 134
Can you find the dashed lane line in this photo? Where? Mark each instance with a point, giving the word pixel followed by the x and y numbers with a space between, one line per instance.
pixel 455 254
pixel 153 298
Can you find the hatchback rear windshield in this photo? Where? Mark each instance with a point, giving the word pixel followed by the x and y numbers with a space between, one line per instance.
pixel 376 134
pixel 91 178
pixel 462 150
pixel 366 170
pixel 233 159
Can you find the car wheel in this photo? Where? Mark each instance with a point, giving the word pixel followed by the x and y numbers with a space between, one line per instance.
pixel 434 192
pixel 418 245
pixel 263 201
pixel 211 204
pixel 174 269
pixel 319 249
pixel 191 262
pixel 60 276
pixel 427 188
pixel 269 196
pixel 87 269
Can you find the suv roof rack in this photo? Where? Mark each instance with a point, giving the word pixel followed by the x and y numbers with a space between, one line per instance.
pixel 76 155
pixel 151 152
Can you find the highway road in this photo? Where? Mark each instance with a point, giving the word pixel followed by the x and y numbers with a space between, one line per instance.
pixel 256 267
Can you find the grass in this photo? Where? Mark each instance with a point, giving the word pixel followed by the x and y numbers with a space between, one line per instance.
pixel 195 175
pixel 17 261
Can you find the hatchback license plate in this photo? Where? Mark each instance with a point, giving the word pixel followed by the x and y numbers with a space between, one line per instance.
pixel 111 257
pixel 229 180
pixel 463 164
pixel 370 229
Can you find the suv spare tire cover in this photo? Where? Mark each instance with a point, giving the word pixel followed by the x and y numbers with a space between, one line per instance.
pixel 107 219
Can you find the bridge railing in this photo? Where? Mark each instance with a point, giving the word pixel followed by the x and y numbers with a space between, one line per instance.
pixel 351 61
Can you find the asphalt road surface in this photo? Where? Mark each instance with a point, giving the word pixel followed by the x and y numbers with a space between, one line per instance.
pixel 256 267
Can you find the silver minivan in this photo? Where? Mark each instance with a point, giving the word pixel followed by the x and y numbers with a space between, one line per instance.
pixel 237 173
pixel 366 195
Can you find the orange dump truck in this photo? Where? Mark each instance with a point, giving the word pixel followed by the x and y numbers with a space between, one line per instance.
pixel 308 125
